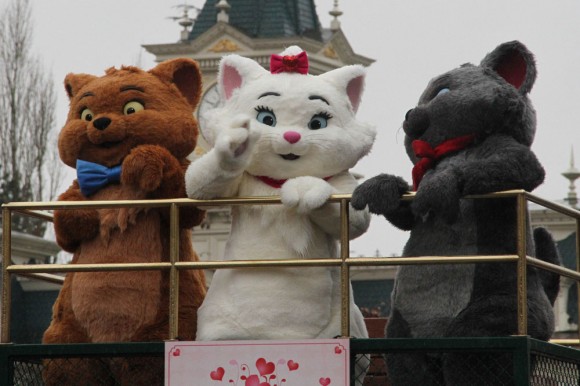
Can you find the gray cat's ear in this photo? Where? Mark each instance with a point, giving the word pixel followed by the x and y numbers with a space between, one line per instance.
pixel 513 62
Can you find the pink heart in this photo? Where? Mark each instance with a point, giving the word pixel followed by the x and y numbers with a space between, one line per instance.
pixel 337 350
pixel 324 381
pixel 253 380
pixel 265 368
pixel 292 365
pixel 177 352
pixel 218 374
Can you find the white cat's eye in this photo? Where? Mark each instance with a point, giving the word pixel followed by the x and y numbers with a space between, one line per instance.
pixel 266 117
pixel 319 121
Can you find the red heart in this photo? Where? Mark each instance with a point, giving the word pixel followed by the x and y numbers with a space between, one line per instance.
pixel 218 374
pixel 177 352
pixel 264 367
pixel 253 380
pixel 337 350
pixel 292 365
pixel 324 381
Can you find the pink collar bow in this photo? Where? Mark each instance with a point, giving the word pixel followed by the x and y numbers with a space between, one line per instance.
pixel 289 63
pixel 277 184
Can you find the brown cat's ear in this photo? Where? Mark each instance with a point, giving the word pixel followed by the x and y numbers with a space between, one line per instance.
pixel 74 82
pixel 185 74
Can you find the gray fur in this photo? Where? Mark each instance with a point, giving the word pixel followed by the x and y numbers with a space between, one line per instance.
pixel 476 299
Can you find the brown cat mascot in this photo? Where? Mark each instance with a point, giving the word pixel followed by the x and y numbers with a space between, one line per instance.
pixel 128 134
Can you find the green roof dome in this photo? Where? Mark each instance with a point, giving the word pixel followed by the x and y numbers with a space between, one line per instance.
pixel 264 18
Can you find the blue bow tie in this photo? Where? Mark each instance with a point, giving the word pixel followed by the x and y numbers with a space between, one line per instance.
pixel 92 176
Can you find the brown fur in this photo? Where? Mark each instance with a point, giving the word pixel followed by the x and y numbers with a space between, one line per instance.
pixel 151 145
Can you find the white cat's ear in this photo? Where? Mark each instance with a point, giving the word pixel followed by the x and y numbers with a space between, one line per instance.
pixel 235 71
pixel 350 80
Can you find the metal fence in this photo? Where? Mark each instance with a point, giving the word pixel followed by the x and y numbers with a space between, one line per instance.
pixel 24 364
pixel 510 361
pixel 513 361
pixel 344 262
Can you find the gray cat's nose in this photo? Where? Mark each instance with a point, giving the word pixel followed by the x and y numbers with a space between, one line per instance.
pixel 416 122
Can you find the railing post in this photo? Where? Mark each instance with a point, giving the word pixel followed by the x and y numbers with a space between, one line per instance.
pixel 6 282
pixel 173 272
pixel 344 268
pixel 522 291
pixel 7 373
pixel 577 270
pixel 521 363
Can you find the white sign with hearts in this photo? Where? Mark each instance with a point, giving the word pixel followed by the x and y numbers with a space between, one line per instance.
pixel 318 362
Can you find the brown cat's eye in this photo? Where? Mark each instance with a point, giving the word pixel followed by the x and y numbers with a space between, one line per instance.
pixel 87 115
pixel 133 107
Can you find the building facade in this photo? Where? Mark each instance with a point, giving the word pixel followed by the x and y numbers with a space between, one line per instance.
pixel 32 300
pixel 564 230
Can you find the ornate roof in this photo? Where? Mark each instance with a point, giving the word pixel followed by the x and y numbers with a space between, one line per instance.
pixel 264 18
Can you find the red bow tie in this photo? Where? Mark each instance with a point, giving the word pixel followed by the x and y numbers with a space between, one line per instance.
pixel 428 156
pixel 289 63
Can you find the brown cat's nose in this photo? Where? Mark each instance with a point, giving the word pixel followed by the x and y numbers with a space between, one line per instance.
pixel 101 123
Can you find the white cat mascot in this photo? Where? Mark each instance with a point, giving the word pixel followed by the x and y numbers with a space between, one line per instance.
pixel 295 135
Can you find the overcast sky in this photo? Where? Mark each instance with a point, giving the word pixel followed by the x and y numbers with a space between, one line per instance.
pixel 411 40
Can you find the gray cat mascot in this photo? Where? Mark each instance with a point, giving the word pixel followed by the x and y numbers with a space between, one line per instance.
pixel 470 134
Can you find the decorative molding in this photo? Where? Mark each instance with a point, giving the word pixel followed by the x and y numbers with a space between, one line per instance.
pixel 558 224
pixel 329 52
pixel 225 45
pixel 211 64
pixel 219 31
pixel 26 247
pixel 29 249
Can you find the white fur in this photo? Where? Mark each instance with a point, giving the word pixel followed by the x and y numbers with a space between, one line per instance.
pixel 281 303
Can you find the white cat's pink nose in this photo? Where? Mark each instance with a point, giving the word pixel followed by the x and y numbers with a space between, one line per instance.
pixel 292 136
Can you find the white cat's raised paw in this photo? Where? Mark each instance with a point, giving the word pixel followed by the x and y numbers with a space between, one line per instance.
pixel 305 193
pixel 234 144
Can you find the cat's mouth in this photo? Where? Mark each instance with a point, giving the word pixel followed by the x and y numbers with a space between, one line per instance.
pixel 290 156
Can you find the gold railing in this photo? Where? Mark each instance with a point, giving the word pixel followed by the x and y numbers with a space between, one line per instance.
pixel 44 271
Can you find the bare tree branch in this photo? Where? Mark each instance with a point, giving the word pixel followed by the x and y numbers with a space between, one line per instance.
pixel 29 166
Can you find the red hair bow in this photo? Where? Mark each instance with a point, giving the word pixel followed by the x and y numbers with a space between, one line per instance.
pixel 289 63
